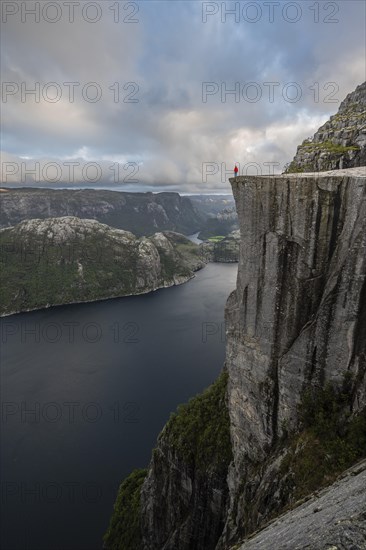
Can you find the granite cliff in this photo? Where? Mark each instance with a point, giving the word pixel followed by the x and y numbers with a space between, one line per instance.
pixel 290 406
pixel 340 142
pixel 67 260
pixel 296 323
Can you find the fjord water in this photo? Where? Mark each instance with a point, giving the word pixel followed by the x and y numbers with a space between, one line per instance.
pixel 85 391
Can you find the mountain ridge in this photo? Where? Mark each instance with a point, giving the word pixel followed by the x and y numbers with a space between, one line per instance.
pixel 58 261
pixel 140 213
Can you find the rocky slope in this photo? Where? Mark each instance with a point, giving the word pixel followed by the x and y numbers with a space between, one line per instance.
pixel 140 213
pixel 66 260
pixel 340 142
pixel 333 519
pixel 295 391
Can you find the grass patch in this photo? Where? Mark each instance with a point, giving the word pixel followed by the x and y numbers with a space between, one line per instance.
pixel 216 239
pixel 330 146
pixel 124 528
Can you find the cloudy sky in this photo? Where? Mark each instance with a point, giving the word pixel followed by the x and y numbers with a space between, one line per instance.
pixel 136 94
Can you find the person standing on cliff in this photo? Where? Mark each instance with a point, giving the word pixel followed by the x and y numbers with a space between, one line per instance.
pixel 236 170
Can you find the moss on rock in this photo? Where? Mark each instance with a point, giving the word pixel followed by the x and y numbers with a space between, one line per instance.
pixel 331 440
pixel 200 429
pixel 124 531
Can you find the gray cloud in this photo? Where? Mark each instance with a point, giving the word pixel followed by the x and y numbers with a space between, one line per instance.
pixel 170 133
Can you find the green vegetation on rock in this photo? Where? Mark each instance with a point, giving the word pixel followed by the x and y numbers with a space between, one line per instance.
pixel 67 260
pixel 124 528
pixel 216 239
pixel 200 429
pixel 330 146
pixel 222 249
pixel 294 168
pixel 332 439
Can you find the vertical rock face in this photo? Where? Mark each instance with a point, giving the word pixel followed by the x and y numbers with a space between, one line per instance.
pixel 340 142
pixel 298 315
pixel 188 508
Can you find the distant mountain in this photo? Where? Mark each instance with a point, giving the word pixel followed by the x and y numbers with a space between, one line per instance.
pixel 340 142
pixel 140 213
pixel 69 260
pixel 224 250
pixel 210 205
pixel 222 224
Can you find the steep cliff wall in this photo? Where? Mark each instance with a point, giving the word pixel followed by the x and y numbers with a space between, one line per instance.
pixel 296 320
pixel 297 315
pixel 340 142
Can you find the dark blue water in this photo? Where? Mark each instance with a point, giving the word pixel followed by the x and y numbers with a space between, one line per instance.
pixel 86 390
